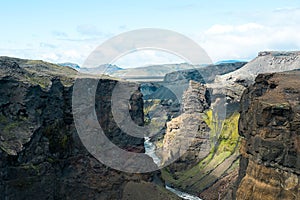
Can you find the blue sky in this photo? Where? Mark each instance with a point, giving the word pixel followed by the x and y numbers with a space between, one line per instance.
pixel 67 31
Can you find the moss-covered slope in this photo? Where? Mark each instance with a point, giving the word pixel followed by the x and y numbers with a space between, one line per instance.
pixel 221 161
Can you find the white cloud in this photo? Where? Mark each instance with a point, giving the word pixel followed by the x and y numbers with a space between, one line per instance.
pixel 72 54
pixel 244 41
pixel 47 45
pixel 223 29
pixel 50 56
pixel 220 29
pixel 273 30
pixel 249 27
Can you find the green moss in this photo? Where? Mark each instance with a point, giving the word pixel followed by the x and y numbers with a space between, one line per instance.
pixel 10 126
pixel 3 119
pixel 23 118
pixel 10 131
pixel 159 143
pixel 64 141
pixel 50 160
pixel 36 80
pixel 211 119
pixel 34 62
pixel 56 134
pixel 147 121
pixel 155 123
pixel 150 105
pixel 208 117
pixel 31 166
pixel 198 177
pixel 229 137
pixel 6 148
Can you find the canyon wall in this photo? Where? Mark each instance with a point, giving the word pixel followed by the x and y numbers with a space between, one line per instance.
pixel 270 129
pixel 214 176
pixel 209 167
pixel 41 154
pixel 179 129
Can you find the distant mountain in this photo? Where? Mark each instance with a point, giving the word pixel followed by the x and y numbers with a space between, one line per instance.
pixel 156 71
pixel 266 62
pixel 106 69
pixel 205 74
pixel 72 65
pixel 229 61
pixel 180 78
pixel 153 70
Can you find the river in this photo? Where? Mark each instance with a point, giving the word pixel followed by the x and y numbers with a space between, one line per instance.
pixel 150 151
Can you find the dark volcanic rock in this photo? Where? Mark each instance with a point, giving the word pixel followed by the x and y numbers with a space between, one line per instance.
pixel 270 127
pixel 41 155
pixel 204 75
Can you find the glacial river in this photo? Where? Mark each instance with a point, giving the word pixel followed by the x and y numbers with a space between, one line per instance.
pixel 150 151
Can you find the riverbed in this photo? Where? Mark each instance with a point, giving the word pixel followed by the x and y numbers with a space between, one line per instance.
pixel 150 151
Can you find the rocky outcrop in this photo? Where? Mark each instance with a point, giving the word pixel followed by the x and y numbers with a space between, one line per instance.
pixel 168 94
pixel 41 155
pixel 269 126
pixel 196 99
pixel 211 159
pixel 189 123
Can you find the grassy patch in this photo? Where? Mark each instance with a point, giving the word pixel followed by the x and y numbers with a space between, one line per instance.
pixel 225 146
pixel 3 119
pixel 150 105
pixel 64 141
pixel 36 80
pixel 10 126
pixel 31 167
pixel 58 139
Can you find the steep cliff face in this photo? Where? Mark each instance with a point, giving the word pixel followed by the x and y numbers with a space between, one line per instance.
pixel 211 160
pixel 270 130
pixel 168 95
pixel 41 155
pixel 212 157
pixel 195 102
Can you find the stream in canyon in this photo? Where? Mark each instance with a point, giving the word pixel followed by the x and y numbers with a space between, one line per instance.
pixel 150 151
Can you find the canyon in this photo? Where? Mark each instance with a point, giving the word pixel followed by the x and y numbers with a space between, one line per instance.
pixel 245 116
pixel 223 166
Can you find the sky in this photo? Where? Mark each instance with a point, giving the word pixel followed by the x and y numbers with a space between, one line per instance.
pixel 68 31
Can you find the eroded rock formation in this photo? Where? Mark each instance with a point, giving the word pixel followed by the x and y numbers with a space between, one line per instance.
pixel 270 130
pixel 41 155
pixel 189 124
